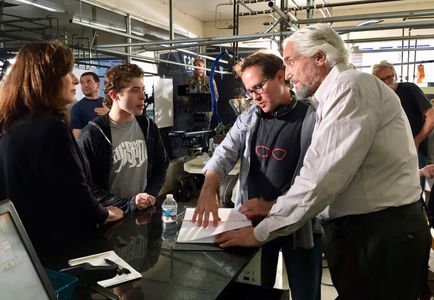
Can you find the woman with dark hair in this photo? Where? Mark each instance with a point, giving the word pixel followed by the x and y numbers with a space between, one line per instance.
pixel 41 167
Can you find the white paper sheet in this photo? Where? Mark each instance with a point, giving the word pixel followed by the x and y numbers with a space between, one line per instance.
pixel 98 260
pixel 230 219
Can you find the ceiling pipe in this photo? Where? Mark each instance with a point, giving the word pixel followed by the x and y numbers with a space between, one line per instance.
pixel 387 15
pixel 295 4
pixel 349 3
pixel 401 63
pixel 326 9
pixel 210 43
pixel 155 60
pixel 414 25
pixel 87 23
pixel 392 50
pixel 192 42
pixel 186 43
pixel 391 38
pixel 130 36
pixel 202 55
pixel 272 26
pixel 48 6
pixel 402 54
pixel 129 32
pixel 245 6
pixel 253 1
pixel 256 13
pixel 414 59
pixel 216 18
pixel 310 7
pixel 282 15
pixel 171 31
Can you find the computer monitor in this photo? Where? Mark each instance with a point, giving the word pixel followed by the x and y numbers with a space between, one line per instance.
pixel 22 276
pixel 200 102
pixel 183 90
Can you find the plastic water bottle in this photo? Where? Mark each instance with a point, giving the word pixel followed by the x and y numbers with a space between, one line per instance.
pixel 169 209
pixel 169 231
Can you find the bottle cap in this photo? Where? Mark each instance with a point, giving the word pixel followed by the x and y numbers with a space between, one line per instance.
pixel 169 195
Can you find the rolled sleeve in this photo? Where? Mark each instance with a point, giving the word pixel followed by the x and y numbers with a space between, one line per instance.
pixel 230 149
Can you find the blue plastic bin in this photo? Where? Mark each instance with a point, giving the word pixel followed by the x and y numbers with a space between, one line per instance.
pixel 63 284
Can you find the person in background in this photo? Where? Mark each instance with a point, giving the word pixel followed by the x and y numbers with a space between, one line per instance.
pixel 270 138
pixel 199 83
pixel 417 107
pixel 359 176
pixel 90 106
pixel 42 170
pixel 124 148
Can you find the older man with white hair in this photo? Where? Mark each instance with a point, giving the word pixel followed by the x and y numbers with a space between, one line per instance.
pixel 366 194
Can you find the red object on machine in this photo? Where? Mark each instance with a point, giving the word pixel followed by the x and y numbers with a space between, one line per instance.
pixel 421 73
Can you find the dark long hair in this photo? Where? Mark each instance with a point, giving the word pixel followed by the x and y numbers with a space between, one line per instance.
pixel 34 83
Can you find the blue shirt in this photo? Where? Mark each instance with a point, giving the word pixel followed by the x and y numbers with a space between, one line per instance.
pixel 83 111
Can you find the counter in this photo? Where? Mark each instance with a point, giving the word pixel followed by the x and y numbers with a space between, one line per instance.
pixel 189 273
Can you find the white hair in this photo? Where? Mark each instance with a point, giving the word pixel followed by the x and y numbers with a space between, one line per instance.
pixel 319 38
pixel 384 64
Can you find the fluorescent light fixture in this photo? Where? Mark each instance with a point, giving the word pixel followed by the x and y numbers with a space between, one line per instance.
pixel 98 25
pixel 369 22
pixel 104 27
pixel 43 4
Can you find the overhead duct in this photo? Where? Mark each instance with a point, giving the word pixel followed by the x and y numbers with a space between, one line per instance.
pixel 282 15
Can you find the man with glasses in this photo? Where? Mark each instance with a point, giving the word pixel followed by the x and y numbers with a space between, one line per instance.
pixel 270 138
pixel 416 106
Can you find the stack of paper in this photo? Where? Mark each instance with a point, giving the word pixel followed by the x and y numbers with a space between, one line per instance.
pixel 230 219
pixel 98 260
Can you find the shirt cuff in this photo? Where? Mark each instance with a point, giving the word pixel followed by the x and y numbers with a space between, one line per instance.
pixel 261 232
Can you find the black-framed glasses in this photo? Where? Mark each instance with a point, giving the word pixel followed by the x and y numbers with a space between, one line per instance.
pixel 257 89
pixel 388 78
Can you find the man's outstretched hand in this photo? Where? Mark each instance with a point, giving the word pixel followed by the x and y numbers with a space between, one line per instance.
pixel 206 204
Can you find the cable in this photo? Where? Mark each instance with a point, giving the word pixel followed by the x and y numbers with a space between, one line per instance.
pixel 211 86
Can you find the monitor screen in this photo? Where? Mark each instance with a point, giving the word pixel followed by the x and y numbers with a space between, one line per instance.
pixel 22 276
pixel 199 102
pixel 183 90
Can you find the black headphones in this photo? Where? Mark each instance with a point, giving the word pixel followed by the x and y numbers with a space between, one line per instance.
pixel 280 112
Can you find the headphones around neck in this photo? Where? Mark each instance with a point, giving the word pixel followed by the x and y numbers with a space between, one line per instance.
pixel 280 112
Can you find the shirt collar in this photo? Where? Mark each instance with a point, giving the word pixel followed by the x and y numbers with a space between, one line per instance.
pixel 323 90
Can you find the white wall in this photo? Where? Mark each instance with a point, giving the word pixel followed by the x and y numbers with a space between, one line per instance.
pixel 157 14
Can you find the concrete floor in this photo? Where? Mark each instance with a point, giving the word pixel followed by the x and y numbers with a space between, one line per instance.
pixel 328 292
